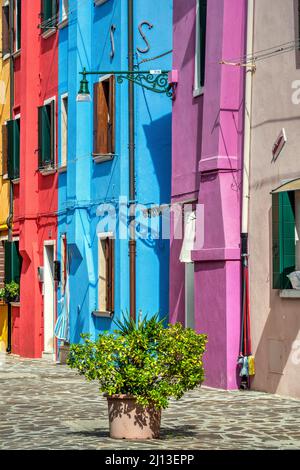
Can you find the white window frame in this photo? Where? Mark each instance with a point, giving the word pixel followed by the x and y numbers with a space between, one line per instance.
pixel 101 291
pixel 17 117
pixel 16 14
pixel 63 259
pixel 64 161
pixel 99 2
pixel 65 10
pixel 198 89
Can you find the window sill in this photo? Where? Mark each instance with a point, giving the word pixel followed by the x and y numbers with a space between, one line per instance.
pixel 5 177
pixel 63 23
pixel 16 181
pixel 198 92
pixel 15 304
pixel 103 157
pixel 49 32
pixel 17 53
pixel 98 314
pixel 289 294
pixel 6 56
pixel 62 169
pixel 47 171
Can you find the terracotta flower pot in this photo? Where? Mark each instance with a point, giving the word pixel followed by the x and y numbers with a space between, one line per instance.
pixel 128 420
pixel 63 353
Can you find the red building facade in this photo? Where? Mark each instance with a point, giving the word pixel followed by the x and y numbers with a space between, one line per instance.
pixel 35 188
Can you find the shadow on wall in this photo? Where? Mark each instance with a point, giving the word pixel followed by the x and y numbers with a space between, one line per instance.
pixel 275 344
pixel 158 136
pixel 181 9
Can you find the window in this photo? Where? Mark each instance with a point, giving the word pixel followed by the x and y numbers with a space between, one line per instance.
pixel 46 127
pixel 106 261
pixel 104 117
pixel 285 236
pixel 201 14
pixel 49 15
pixel 17 25
pixel 13 262
pixel 64 131
pixel 63 251
pixel 64 9
pixel 11 146
pixel 186 258
pixel 5 30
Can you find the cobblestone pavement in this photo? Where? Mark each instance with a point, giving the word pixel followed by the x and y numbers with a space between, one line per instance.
pixel 48 406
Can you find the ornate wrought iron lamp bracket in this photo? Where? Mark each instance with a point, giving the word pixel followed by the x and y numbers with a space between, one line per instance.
pixel 153 80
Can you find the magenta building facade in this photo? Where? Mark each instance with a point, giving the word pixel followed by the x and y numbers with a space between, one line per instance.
pixel 207 168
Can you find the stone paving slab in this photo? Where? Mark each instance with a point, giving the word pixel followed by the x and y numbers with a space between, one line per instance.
pixel 48 406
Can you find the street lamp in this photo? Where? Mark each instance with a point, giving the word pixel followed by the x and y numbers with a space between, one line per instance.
pixel 158 81
pixel 84 92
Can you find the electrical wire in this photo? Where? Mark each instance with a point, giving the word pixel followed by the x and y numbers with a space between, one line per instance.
pixel 263 54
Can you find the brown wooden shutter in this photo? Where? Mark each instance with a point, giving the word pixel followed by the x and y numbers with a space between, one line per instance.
pixel 4 150
pixel 5 30
pixel 100 119
pixel 111 114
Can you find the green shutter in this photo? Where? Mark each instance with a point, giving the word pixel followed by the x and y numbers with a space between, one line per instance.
pixel 13 262
pixel 46 135
pixel 47 9
pixel 283 234
pixel 49 12
pixel 203 15
pixel 13 149
pixel 19 6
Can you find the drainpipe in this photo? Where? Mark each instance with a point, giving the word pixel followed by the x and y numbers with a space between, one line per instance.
pixel 11 195
pixel 131 129
pixel 247 127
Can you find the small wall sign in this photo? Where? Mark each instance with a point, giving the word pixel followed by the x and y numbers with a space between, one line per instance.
pixel 279 144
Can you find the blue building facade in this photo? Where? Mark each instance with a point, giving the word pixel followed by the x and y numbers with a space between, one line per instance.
pixel 94 162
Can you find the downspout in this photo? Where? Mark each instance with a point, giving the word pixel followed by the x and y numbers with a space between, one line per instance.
pixel 11 195
pixel 247 127
pixel 245 319
pixel 131 129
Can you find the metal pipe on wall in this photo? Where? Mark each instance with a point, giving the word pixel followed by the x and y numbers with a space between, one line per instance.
pixel 131 129
pixel 247 120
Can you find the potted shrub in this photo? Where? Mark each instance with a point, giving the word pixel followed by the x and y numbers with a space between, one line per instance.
pixel 139 368
pixel 12 292
pixel 2 294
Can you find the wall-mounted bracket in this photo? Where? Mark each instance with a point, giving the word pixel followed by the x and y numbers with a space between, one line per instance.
pixel 156 81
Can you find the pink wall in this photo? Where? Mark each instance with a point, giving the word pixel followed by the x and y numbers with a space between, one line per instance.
pixel 218 124
pixel 187 133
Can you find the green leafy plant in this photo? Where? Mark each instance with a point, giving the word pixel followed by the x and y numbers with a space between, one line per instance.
pixel 12 292
pixel 146 361
pixel 2 293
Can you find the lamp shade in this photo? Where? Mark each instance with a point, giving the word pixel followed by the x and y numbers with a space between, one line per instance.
pixel 84 93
